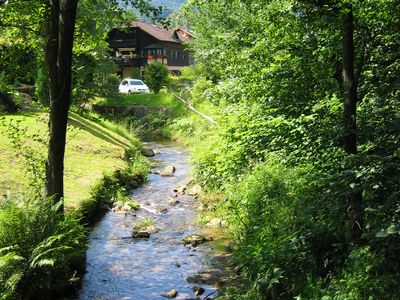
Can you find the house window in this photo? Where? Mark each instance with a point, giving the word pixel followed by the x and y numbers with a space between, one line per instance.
pixel 150 54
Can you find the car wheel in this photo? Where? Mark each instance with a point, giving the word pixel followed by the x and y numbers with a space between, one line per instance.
pixel 129 92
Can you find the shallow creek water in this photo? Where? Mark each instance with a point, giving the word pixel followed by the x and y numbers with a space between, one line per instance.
pixel 119 267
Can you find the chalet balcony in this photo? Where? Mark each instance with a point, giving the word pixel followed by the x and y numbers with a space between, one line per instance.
pixel 130 62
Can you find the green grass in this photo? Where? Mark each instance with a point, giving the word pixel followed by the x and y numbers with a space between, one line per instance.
pixel 162 99
pixel 92 149
pixel 116 128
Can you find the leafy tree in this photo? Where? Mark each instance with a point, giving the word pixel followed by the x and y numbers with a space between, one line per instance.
pixel 308 84
pixel 156 76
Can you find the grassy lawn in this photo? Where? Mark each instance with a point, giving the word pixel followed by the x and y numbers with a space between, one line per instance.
pixel 163 99
pixel 92 149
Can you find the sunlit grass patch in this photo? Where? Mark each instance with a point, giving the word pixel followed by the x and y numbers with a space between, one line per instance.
pixel 92 149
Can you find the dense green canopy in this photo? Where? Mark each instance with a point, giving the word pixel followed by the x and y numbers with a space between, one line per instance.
pixel 297 192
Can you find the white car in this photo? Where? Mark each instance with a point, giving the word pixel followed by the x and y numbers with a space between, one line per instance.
pixel 132 86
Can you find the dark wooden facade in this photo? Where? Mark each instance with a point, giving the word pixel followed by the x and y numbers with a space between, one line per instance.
pixel 143 43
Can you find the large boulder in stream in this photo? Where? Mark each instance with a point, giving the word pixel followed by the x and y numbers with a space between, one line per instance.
pixel 173 201
pixel 171 294
pixel 180 189
pixel 195 190
pixel 143 229
pixel 195 239
pixel 216 223
pixel 147 152
pixel 168 171
pixel 198 290
pixel 124 207
pixel 141 234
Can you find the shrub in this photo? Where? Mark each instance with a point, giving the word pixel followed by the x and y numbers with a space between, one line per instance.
pixel 263 210
pixel 156 76
pixel 286 242
pixel 364 276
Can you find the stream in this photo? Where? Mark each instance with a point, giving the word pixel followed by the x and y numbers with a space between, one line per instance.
pixel 120 267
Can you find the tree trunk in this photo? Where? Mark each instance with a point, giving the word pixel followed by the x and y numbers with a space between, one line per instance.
pixel 350 110
pixel 61 25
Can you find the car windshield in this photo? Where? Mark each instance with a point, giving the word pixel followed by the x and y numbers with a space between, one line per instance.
pixel 136 82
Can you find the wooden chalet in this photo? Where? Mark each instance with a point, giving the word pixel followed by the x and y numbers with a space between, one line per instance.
pixel 142 43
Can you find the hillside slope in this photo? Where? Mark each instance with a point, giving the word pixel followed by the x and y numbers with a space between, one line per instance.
pixel 91 150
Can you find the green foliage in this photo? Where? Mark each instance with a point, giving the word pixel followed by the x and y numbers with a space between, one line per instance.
pixel 39 251
pixel 136 73
pixel 273 213
pixel 42 87
pixel 271 77
pixel 362 277
pixel 162 100
pixel 93 76
pixel 18 62
pixel 156 76
pixel 185 80
pixel 84 82
pixel 22 44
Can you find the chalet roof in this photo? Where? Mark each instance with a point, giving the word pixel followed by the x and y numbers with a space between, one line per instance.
pixel 160 33
pixel 184 35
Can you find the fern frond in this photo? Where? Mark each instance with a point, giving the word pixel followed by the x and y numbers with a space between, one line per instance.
pixel 8 249
pixel 14 279
pixel 56 207
pixel 44 263
pixel 8 259
pixel 12 268
pixel 57 253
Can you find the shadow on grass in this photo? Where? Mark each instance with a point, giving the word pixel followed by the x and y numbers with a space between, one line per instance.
pixel 160 100
pixel 98 131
